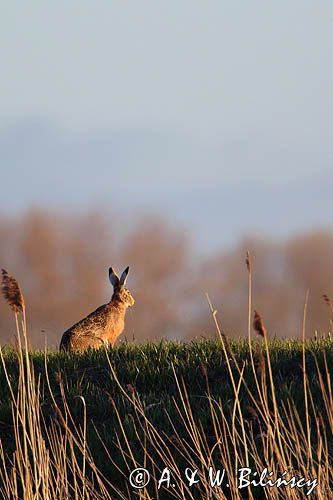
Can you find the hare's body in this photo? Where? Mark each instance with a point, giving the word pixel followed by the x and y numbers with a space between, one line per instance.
pixel 105 324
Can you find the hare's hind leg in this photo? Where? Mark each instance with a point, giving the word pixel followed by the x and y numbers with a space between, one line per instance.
pixel 85 342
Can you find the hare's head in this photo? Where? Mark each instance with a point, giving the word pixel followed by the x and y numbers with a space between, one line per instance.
pixel 120 293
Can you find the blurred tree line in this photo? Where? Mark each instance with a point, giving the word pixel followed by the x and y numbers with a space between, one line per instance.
pixel 61 262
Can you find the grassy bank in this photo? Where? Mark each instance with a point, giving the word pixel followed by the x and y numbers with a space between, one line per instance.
pixel 196 405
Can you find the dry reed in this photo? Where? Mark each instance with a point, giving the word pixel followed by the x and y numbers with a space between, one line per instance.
pixel 11 292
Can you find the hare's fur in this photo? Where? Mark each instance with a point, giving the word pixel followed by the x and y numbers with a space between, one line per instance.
pixel 104 325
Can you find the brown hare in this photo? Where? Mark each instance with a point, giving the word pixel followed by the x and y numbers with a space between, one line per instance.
pixel 105 324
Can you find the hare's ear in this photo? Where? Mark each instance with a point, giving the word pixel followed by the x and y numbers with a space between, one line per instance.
pixel 114 280
pixel 123 276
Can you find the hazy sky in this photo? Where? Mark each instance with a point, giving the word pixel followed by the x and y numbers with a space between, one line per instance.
pixel 216 113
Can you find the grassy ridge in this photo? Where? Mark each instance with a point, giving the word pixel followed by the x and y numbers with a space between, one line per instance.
pixel 150 369
pixel 152 374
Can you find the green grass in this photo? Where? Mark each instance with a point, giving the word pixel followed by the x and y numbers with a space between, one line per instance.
pixel 150 371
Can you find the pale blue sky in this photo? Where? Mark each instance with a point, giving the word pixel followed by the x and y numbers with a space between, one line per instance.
pixel 217 113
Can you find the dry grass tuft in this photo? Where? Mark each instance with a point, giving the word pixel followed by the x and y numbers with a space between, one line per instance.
pixel 12 292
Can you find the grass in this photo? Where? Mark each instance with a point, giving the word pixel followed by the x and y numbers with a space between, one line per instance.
pixel 172 385
pixel 77 425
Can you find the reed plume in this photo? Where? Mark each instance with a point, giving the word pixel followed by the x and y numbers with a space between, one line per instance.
pixel 260 361
pixel 328 301
pixel 248 261
pixel 11 292
pixel 258 325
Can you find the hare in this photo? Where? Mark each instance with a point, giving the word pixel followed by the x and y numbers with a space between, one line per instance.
pixel 105 324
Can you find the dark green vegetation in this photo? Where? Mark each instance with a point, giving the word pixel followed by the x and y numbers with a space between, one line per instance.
pixel 152 374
